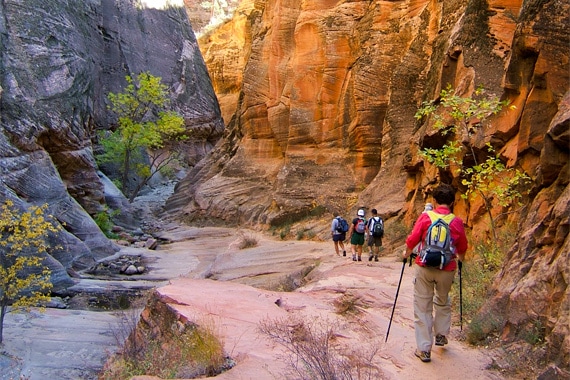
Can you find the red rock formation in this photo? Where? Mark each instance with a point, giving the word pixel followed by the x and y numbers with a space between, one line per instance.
pixel 322 113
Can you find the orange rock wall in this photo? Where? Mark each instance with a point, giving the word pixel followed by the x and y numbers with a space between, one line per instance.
pixel 319 99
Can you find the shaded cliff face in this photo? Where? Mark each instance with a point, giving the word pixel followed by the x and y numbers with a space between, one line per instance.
pixel 322 95
pixel 59 62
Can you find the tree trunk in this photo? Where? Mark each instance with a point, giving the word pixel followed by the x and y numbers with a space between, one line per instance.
pixel 2 314
pixel 126 170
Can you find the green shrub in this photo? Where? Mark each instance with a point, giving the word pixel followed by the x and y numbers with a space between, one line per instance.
pixel 477 274
pixel 396 231
pixel 103 219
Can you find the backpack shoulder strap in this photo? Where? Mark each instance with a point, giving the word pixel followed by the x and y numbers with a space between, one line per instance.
pixel 434 216
pixel 437 222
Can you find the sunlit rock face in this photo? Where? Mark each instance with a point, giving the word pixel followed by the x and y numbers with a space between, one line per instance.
pixel 320 99
pixel 59 62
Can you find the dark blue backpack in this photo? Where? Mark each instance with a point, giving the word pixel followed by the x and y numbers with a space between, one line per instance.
pixel 342 225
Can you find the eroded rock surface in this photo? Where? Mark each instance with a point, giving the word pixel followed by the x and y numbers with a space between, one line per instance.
pixel 59 62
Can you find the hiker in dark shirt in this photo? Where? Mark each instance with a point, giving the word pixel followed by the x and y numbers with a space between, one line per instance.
pixel 374 242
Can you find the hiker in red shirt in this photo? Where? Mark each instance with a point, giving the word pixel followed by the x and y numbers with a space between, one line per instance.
pixel 431 280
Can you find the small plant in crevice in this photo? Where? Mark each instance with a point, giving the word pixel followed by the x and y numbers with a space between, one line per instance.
pixel 292 281
pixel 315 350
pixel 284 232
pixel 534 335
pixel 104 221
pixel 190 351
pixel 482 328
pixel 348 304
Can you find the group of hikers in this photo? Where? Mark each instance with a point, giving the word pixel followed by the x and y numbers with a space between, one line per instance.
pixel 360 231
pixel 437 244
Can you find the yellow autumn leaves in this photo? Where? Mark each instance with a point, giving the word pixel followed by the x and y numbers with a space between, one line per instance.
pixel 24 279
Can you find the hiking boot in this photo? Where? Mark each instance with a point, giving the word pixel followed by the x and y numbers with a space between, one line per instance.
pixel 353 257
pixel 440 340
pixel 376 258
pixel 370 258
pixel 425 356
pixel 344 253
pixel 359 258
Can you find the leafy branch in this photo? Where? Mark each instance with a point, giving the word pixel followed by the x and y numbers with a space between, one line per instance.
pixel 489 179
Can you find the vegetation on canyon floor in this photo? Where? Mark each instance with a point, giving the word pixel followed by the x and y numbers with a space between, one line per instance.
pixel 314 350
pixel 143 143
pixel 186 351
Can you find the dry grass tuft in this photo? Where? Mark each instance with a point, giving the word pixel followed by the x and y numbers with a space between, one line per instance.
pixel 316 351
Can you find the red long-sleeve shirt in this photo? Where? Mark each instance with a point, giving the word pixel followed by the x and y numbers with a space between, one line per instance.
pixel 458 237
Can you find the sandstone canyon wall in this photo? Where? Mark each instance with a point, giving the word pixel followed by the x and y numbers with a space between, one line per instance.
pixel 320 98
pixel 59 60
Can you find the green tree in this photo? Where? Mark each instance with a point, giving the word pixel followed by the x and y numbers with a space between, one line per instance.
pixel 145 130
pixel 488 178
pixel 24 280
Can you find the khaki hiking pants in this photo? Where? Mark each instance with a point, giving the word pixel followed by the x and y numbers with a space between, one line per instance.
pixel 431 292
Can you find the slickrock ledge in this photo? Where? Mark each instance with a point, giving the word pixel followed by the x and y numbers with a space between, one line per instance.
pixel 238 309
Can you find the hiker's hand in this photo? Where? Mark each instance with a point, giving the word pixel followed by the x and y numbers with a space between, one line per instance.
pixel 407 253
pixel 460 264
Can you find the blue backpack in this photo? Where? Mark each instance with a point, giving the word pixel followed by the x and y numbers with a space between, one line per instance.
pixel 341 225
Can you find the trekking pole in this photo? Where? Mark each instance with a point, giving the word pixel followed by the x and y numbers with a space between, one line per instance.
pixel 396 298
pixel 460 264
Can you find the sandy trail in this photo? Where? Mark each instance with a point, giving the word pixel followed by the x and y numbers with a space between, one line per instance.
pixel 73 344
pixel 239 310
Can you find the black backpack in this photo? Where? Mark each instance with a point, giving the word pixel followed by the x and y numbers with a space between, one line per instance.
pixel 377 226
pixel 342 225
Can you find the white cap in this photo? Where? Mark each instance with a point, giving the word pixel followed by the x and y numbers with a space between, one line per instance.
pixel 360 212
